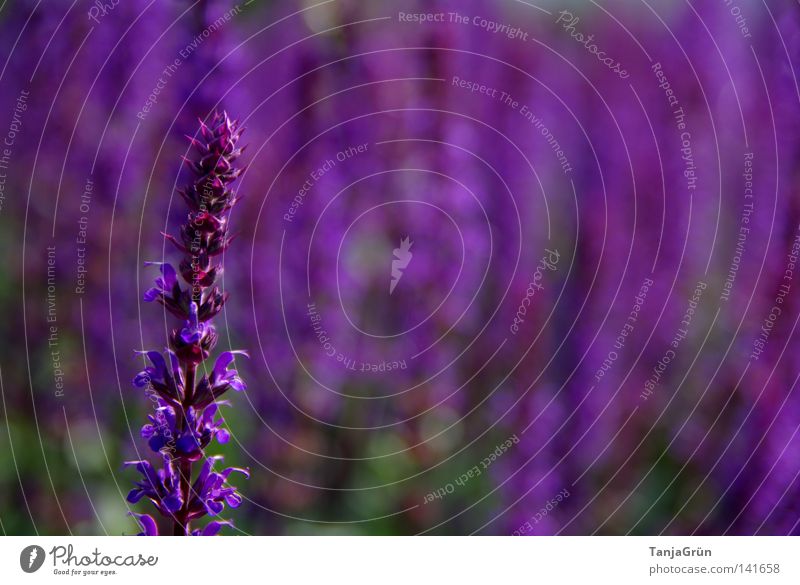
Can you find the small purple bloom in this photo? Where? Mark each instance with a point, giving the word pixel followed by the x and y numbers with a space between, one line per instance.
pixel 164 431
pixel 160 486
pixel 166 380
pixel 167 291
pixel 211 492
pixel 222 379
pixel 195 340
pixel 165 284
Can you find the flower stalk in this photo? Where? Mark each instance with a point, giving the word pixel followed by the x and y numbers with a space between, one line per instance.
pixel 186 420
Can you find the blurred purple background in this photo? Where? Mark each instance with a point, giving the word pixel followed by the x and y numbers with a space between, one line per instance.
pixel 640 227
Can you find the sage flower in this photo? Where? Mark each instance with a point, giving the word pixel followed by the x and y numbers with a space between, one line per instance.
pixel 186 420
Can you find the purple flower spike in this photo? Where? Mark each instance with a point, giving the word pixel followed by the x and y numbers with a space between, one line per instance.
pixel 186 420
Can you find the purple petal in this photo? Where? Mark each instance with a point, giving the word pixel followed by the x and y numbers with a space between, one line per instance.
pixel 168 272
pixel 173 502
pixel 202 477
pixel 224 360
pixel 155 357
pixel 135 495
pixel 213 507
pixel 149 527
pixel 142 378
pixel 238 384
pixel 213 528
pixel 241 470
pixel 176 365
pixel 157 443
pixel 170 276
pixel 151 294
pixel 234 500
pixel 193 320
pixel 187 444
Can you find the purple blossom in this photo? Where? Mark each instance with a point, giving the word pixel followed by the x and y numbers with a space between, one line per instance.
pixel 222 379
pixel 161 486
pixel 166 380
pixel 209 494
pixel 211 491
pixel 164 432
